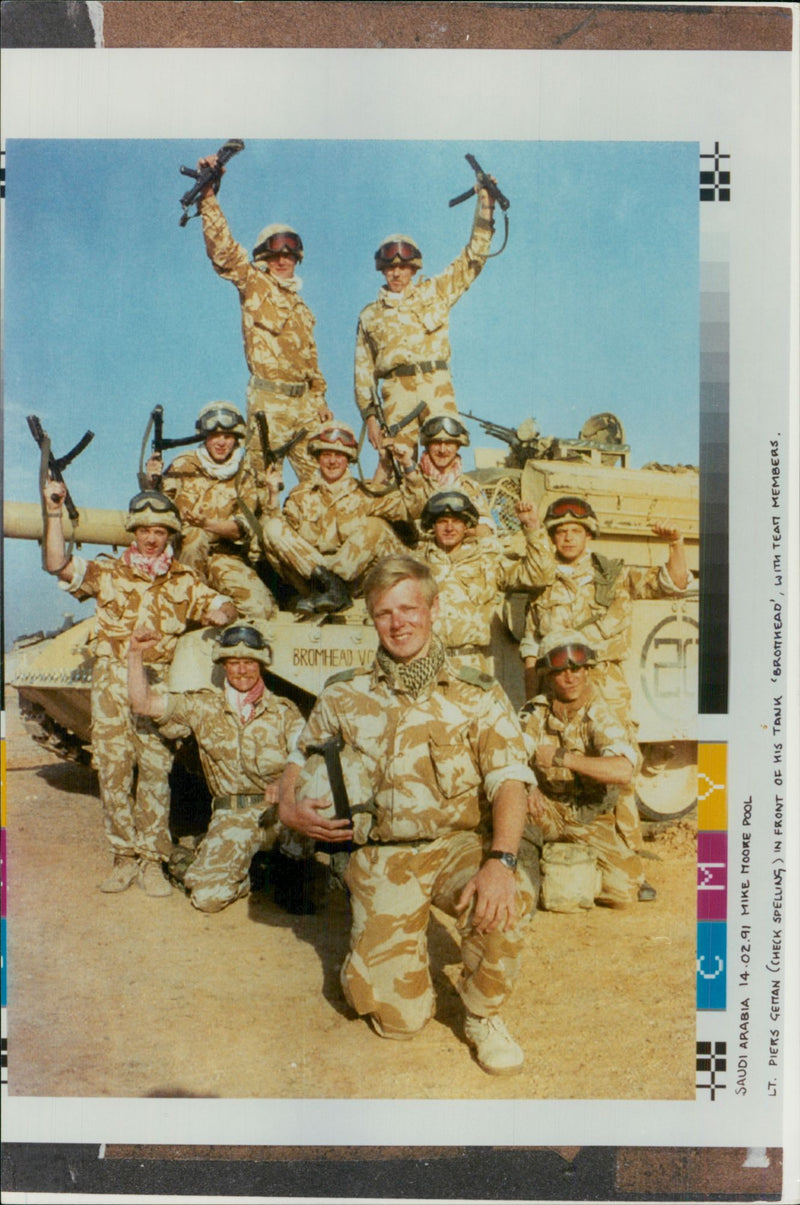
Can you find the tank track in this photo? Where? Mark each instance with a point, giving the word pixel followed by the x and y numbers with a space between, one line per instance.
pixel 51 735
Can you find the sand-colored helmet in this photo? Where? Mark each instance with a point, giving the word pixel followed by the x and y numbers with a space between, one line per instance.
pixel 242 640
pixel 571 510
pixel 561 649
pixel 448 502
pixel 152 509
pixel 398 249
pixel 334 436
pixel 220 416
pixel 278 239
pixel 443 427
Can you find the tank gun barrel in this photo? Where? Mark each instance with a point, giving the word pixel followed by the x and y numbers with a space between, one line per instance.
pixel 23 521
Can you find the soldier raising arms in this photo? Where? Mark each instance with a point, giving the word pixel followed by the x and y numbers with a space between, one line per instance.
pixel 145 586
pixel 277 326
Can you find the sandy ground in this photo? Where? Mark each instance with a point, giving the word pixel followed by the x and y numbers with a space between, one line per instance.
pixel 131 996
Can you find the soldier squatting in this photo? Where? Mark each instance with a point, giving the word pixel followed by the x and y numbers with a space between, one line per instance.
pixel 415 764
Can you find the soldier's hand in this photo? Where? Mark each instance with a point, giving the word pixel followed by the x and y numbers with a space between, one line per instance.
pixel 536 809
pixel 270 794
pixel 274 478
pixel 221 616
pixel 374 433
pixel 528 515
pixel 402 454
pixel 486 198
pixel 142 639
pixel 665 531
pixel 543 757
pixel 209 161
pixel 304 816
pixel 155 465
pixel 325 414
pixel 494 892
pixel 54 493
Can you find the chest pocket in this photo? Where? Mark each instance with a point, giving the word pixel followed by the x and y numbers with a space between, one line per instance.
pixel 432 315
pixel 453 765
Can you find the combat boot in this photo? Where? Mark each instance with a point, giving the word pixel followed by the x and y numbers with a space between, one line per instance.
pixel 495 1049
pixel 152 881
pixel 123 872
pixel 333 593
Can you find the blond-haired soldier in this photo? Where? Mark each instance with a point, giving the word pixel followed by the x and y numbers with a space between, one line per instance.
pixel 448 766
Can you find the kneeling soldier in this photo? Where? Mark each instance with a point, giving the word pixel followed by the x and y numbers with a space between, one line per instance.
pixel 245 735
pixel 581 752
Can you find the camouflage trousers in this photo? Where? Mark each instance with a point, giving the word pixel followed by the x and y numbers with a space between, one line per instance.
pixel 402 394
pixel 219 873
pixel 612 685
pixel 136 824
pixel 294 558
pixel 285 417
pixel 620 867
pixel 386 973
pixel 229 574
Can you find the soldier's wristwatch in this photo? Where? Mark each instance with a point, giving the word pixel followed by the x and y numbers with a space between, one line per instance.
pixel 508 860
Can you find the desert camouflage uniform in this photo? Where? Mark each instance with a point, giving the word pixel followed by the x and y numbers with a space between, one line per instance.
pixel 413 329
pixel 569 602
pixel 200 496
pixel 576 808
pixel 278 332
pixel 136 825
pixel 436 762
pixel 338 526
pixel 432 481
pixel 469 580
pixel 239 761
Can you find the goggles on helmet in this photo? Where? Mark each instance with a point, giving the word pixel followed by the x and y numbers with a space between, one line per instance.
pixel 405 252
pixel 578 508
pixel 285 242
pixel 242 634
pixel 566 656
pixel 152 500
pixel 448 502
pixel 441 424
pixel 336 435
pixel 219 418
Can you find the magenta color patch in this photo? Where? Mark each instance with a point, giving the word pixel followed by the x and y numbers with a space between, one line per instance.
pixel 712 876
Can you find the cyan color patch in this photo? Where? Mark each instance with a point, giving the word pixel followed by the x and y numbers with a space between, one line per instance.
pixel 712 966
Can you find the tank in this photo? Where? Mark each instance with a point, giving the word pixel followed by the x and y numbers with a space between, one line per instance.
pixel 52 671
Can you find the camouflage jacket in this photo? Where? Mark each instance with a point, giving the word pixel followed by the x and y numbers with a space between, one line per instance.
pixel 199 496
pixel 469 581
pixel 128 599
pixel 431 484
pixel 277 325
pixel 237 758
pixel 592 731
pixel 575 598
pixel 326 515
pixel 414 326
pixel 435 761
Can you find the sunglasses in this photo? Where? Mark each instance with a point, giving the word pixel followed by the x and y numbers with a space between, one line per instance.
pixel 442 423
pixel 242 635
pixel 151 500
pixel 577 507
pixel 401 251
pixel 569 656
pixel 221 418
pixel 281 243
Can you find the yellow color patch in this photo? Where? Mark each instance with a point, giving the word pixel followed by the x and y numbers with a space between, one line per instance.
pixel 712 787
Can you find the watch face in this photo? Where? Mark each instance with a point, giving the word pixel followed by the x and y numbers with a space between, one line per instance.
pixel 508 860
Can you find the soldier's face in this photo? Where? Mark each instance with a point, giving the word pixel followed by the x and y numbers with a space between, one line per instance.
pixel 570 683
pixel 449 532
pixel 281 266
pixel 398 276
pixel 242 673
pixel 332 466
pixel 570 541
pixel 443 452
pixel 219 445
pixel 151 541
pixel 404 620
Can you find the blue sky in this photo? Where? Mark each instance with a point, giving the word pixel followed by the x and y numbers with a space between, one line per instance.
pixel 110 307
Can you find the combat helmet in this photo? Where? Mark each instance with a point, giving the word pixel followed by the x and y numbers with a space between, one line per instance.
pixel 278 239
pixel 448 502
pixel 242 640
pixel 398 249
pixel 333 436
pixel 152 509
pixel 571 510
pixel 444 427
pixel 220 416
pixel 561 649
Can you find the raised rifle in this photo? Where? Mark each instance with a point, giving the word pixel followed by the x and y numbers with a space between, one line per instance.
pixel 160 444
pixel 391 429
pixel 206 176
pixel 52 467
pixel 275 455
pixel 483 180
